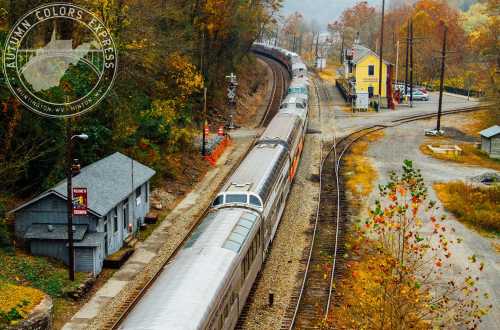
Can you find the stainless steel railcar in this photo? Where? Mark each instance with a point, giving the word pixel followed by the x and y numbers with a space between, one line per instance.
pixel 207 283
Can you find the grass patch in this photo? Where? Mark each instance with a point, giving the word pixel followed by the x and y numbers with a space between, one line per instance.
pixel 42 273
pixel 359 172
pixel 470 155
pixel 480 120
pixel 17 302
pixel 474 205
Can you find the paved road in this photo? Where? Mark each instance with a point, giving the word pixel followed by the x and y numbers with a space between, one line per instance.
pixel 347 122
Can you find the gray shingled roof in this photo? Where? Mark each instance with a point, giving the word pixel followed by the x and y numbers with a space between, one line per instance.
pixel 91 240
pixel 58 232
pixel 361 51
pixel 490 132
pixel 108 182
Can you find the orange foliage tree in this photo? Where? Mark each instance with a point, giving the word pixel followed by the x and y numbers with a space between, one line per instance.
pixel 401 277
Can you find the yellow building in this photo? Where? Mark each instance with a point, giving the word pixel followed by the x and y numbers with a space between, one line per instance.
pixel 362 70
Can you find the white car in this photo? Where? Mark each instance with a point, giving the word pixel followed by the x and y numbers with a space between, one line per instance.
pixel 419 95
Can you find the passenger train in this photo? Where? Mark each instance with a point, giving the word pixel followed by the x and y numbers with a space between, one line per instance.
pixel 206 284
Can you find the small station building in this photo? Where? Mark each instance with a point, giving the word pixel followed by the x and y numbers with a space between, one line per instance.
pixel 118 200
pixel 360 75
pixel 490 141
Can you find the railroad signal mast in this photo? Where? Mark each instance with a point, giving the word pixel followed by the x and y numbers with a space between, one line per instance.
pixel 231 97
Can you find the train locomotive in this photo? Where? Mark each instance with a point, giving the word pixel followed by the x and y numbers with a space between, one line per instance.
pixel 206 284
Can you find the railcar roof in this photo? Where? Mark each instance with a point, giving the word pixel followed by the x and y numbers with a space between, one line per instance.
pixel 257 169
pixel 282 127
pixel 185 291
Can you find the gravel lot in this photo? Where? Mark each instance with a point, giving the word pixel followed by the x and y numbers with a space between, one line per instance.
pixel 403 142
pixel 279 274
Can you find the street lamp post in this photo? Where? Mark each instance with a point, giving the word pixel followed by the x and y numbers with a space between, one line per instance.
pixel 69 175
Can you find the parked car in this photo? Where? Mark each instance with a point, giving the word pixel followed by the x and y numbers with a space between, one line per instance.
pixel 419 95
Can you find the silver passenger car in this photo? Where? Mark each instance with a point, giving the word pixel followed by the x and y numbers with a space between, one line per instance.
pixel 207 283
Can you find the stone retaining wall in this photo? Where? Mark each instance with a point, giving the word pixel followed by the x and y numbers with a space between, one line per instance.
pixel 39 319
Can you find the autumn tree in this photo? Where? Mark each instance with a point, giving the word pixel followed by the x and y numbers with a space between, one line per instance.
pixel 401 276
pixel 483 39
pixel 168 51
pixel 360 19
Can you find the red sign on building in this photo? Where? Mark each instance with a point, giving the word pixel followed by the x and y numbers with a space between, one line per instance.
pixel 79 201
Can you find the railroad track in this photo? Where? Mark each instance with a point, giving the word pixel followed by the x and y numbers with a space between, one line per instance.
pixel 281 79
pixel 136 292
pixel 322 262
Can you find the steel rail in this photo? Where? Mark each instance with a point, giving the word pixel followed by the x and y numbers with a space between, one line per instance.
pixel 313 239
pixel 279 86
pixel 349 140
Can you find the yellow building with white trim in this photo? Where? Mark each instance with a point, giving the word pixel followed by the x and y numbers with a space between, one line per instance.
pixel 362 70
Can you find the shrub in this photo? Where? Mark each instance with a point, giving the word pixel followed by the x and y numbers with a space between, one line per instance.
pixel 475 205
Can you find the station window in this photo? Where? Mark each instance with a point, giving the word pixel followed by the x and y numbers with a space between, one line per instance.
pixel 125 214
pixel 115 219
pixel 371 70
pixel 370 91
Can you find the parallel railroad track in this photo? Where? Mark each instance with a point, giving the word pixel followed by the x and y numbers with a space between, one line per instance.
pixel 136 292
pixel 322 264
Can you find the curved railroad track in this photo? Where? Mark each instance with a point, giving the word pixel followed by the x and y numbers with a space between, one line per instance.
pixel 281 79
pixel 322 261
pixel 135 293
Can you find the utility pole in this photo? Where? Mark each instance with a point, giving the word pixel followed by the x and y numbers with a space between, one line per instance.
pixel 411 63
pixel 381 52
pixel 397 60
pixel 342 49
pixel 441 81
pixel 204 141
pixel 69 200
pixel 407 56
pixel 316 51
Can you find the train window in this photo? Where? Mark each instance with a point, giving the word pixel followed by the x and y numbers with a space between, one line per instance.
pixel 237 238
pixel 218 201
pixel 245 223
pixel 255 201
pixel 240 230
pixel 236 198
